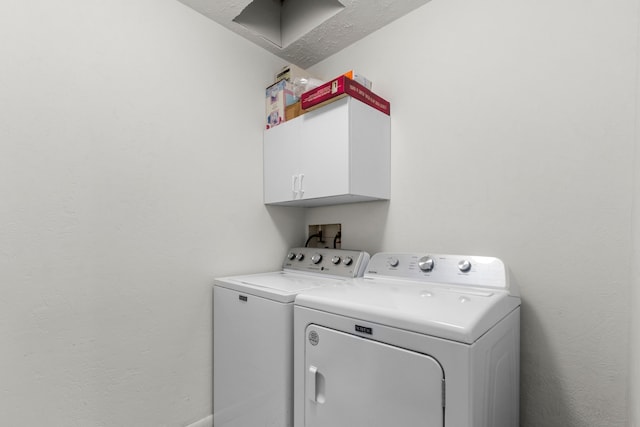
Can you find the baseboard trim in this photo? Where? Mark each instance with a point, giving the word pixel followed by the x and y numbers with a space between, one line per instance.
pixel 205 422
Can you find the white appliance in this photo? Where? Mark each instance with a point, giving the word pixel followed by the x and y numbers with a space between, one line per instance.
pixel 421 340
pixel 253 335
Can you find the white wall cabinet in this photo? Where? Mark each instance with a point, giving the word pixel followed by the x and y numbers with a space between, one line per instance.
pixel 339 153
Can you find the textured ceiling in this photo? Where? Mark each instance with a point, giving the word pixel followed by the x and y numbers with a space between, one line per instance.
pixel 358 19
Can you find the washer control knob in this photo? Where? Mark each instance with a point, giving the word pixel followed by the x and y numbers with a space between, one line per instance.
pixel 347 260
pixel 393 262
pixel 335 259
pixel 426 263
pixel 464 266
pixel 316 258
pixel 300 256
pixel 291 256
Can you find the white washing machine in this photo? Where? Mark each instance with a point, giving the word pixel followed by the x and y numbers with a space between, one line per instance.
pixel 421 340
pixel 253 335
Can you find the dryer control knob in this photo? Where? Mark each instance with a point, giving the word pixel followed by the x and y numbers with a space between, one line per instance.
pixel 393 262
pixel 291 256
pixel 464 266
pixel 316 258
pixel 300 256
pixel 335 259
pixel 426 263
pixel 347 260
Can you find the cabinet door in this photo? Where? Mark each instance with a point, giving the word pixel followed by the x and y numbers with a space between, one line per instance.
pixel 324 162
pixel 355 382
pixel 281 154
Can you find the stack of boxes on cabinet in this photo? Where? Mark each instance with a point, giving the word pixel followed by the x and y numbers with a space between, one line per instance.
pixel 295 92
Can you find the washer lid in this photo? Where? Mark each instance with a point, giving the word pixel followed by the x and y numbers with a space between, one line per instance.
pixel 281 286
pixel 452 312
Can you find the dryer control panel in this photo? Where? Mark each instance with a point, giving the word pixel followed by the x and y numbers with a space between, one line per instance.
pixel 336 262
pixel 473 271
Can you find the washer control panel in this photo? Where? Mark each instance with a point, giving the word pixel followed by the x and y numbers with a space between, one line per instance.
pixel 337 262
pixel 476 271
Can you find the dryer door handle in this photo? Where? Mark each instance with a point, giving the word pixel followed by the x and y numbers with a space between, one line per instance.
pixel 315 385
pixel 312 375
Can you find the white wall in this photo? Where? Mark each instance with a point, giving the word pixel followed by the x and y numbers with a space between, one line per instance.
pixel 634 374
pixel 634 365
pixel 130 176
pixel 512 136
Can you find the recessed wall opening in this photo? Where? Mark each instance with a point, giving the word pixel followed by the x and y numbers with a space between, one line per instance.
pixel 282 22
pixel 325 236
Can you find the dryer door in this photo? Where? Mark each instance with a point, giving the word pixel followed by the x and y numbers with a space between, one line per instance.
pixel 356 382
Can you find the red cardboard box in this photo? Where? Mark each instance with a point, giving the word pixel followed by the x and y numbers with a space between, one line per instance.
pixel 338 88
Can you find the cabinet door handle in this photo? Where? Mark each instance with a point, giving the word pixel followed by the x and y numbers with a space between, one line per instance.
pixel 294 181
pixel 300 188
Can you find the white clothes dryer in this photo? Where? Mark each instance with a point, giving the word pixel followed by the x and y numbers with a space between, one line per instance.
pixel 253 335
pixel 427 341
